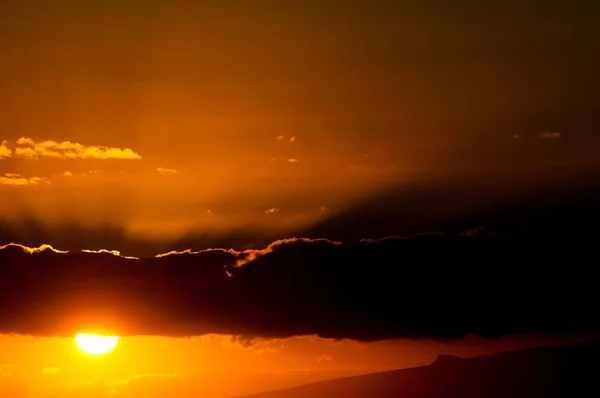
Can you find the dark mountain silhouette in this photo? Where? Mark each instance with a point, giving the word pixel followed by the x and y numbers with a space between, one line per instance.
pixel 561 371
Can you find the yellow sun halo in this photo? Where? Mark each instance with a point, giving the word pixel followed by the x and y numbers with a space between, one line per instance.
pixel 96 344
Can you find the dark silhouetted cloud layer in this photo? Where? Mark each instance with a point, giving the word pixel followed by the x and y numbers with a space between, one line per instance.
pixel 426 286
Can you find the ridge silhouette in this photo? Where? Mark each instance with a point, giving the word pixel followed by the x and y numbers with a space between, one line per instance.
pixel 549 372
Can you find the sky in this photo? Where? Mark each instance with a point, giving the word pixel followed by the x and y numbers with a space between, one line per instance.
pixel 286 191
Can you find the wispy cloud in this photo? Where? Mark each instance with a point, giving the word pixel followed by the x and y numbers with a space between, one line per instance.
pixel 324 358
pixel 163 170
pixel 5 151
pixel 15 179
pixel 32 149
pixel 282 137
pixel 551 134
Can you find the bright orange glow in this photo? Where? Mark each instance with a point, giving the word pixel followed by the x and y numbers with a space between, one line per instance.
pixel 96 344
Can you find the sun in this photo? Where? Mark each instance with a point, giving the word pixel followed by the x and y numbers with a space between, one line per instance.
pixel 96 344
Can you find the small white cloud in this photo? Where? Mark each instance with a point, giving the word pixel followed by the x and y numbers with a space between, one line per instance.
pixel 70 150
pixel 39 180
pixel 30 153
pixel 12 175
pixel 271 210
pixel 25 141
pixel 324 358
pixel 67 174
pixel 163 170
pixel 14 180
pixel 87 174
pixel 5 151
pixel 292 139
pixel 280 137
pixel 293 160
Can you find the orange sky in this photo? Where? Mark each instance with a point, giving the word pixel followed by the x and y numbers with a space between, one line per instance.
pixel 209 366
pixel 230 111
pixel 150 126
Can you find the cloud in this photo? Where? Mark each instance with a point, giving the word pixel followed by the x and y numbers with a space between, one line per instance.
pixel 32 250
pixel 5 151
pixel 282 137
pixel 37 180
pixel 551 135
pixel 14 179
pixel 426 286
pixel 271 210
pixel 112 252
pixel 162 170
pixel 324 358
pixel 69 150
pixel 67 174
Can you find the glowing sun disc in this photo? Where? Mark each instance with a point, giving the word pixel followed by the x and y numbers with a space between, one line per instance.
pixel 96 344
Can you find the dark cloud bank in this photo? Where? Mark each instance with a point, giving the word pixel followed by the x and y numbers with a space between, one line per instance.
pixel 427 286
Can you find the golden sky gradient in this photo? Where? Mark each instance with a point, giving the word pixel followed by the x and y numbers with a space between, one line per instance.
pixel 294 107
pixel 141 127
pixel 211 365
